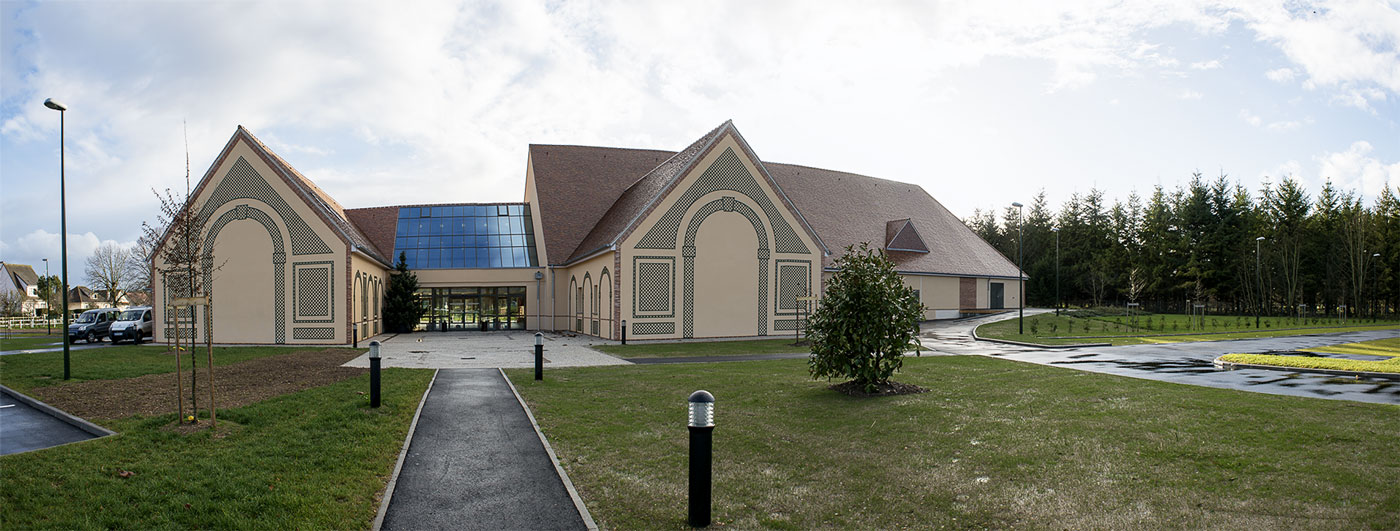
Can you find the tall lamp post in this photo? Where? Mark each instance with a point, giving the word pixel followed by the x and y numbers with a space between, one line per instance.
pixel 1020 276
pixel 48 312
pixel 1376 286
pixel 62 227
pixel 1056 230
pixel 1258 277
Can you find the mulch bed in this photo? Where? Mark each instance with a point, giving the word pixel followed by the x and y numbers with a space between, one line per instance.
pixel 235 385
pixel 885 389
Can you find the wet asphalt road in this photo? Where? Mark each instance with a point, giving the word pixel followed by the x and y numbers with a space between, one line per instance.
pixel 23 428
pixel 1186 363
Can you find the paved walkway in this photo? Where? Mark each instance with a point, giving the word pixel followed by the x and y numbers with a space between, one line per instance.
pixel 24 428
pixel 485 350
pixel 475 462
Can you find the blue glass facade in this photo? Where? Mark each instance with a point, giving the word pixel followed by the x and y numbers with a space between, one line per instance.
pixel 466 236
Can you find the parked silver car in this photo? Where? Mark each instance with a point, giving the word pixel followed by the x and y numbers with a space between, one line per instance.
pixel 134 325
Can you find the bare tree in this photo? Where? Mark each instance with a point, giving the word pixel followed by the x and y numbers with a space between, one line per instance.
pixel 174 243
pixel 109 270
pixel 11 302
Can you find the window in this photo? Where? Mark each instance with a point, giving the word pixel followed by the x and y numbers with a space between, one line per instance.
pixel 466 236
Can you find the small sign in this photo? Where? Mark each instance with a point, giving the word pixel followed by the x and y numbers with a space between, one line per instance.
pixel 189 301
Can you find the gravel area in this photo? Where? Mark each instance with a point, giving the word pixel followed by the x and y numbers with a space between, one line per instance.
pixel 235 385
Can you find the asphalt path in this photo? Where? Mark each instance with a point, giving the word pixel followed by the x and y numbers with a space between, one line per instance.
pixel 475 462
pixel 59 348
pixel 24 428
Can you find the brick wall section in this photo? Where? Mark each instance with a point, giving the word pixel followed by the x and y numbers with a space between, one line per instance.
pixel 967 293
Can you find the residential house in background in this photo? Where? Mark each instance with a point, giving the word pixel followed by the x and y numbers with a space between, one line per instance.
pixel 22 279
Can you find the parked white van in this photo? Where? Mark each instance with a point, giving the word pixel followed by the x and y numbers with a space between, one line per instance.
pixel 134 324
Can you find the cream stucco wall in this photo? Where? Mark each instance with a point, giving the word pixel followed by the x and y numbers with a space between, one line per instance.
pixel 367 296
pixel 595 280
pixel 729 295
pixel 246 296
pixel 939 295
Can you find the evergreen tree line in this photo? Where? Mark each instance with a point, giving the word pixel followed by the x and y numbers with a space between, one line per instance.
pixel 1198 242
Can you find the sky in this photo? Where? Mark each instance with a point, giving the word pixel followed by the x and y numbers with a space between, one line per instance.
pixel 980 103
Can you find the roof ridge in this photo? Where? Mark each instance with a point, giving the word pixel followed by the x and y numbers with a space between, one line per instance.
pixel 677 162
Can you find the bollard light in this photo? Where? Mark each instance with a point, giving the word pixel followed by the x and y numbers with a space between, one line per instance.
pixel 624 331
pixel 374 374
pixel 701 424
pixel 539 356
pixel 702 409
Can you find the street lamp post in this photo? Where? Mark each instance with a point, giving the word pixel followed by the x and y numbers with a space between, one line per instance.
pixel 1259 277
pixel 1020 275
pixel 1376 286
pixel 62 228
pixel 1056 230
pixel 48 294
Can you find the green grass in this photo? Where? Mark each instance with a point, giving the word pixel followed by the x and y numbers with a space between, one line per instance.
pixel 994 444
pixel 23 372
pixel 1378 347
pixel 315 459
pixel 703 348
pixel 1066 329
pixel 1314 362
pixel 26 342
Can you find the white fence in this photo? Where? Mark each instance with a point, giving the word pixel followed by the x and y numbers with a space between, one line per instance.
pixel 28 322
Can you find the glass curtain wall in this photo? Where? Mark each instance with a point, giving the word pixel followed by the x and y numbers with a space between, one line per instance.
pixel 483 309
pixel 466 236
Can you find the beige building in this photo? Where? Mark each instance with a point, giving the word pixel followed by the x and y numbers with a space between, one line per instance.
pixel 709 241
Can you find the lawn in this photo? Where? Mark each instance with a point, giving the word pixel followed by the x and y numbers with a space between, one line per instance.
pixel 27 341
pixel 703 348
pixel 1378 347
pixel 314 459
pixel 22 372
pixel 993 444
pixel 1091 327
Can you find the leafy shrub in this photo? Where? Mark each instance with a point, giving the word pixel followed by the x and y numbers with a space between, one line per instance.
pixel 866 321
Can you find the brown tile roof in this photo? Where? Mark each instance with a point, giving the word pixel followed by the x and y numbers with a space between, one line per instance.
pixel 577 185
pixel 378 225
pixel 843 208
pixel 330 210
pixel 638 197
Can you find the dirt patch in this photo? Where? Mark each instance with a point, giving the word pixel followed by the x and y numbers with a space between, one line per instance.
pixel 235 385
pixel 885 389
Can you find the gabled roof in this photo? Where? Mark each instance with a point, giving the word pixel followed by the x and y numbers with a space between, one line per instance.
pixel 378 225
pixel 577 185
pixel 839 208
pixel 900 235
pixel 328 210
pixel 637 198
pixel 21 273
pixel 843 208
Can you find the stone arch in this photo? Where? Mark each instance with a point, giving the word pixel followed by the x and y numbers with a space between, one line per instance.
pixel 605 283
pixel 723 204
pixel 279 261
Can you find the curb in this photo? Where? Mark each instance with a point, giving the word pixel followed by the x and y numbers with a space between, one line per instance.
pixel 93 429
pixel 563 476
pixel 403 454
pixel 975 337
pixel 1230 366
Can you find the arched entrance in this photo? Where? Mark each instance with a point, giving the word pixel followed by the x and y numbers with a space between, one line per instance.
pixel 729 276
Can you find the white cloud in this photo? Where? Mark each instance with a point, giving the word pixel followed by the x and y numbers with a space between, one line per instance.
pixel 1206 65
pixel 1250 118
pixel 1281 75
pixel 1287 125
pixel 1355 168
pixel 1337 45
pixel 44 244
pixel 1189 94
